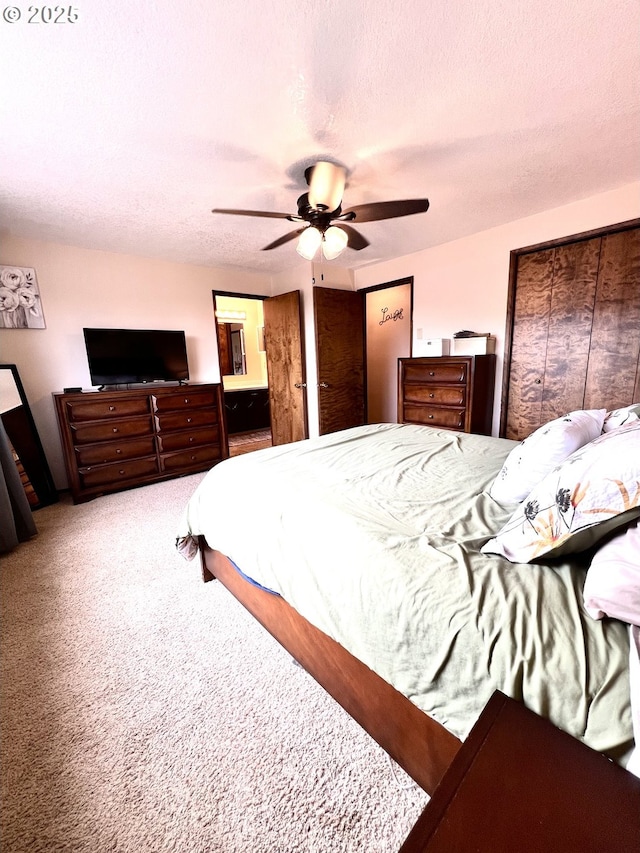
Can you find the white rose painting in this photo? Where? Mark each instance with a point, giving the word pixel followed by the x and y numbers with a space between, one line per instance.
pixel 20 305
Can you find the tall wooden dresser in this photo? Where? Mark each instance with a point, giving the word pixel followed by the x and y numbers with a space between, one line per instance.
pixel 114 440
pixel 451 392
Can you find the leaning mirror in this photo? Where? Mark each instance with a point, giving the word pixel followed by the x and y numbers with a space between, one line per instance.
pixel 24 440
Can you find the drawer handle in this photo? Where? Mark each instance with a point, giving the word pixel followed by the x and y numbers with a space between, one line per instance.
pixel 189 420
pixel 431 373
pixel 431 395
pixel 430 417
pixel 115 429
pixel 191 439
pixel 112 408
pixel 121 471
pixel 118 450
pixel 186 399
pixel 194 457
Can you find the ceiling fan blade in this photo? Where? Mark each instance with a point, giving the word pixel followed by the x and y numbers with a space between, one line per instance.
pixel 281 240
pixel 326 185
pixel 268 213
pixel 386 209
pixel 356 240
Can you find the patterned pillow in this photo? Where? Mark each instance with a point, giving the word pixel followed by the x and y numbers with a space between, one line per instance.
pixel 594 491
pixel 618 417
pixel 540 452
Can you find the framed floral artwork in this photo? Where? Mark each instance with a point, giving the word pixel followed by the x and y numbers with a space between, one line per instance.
pixel 20 304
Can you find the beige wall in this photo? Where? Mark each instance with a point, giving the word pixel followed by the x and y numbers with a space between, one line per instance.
pixel 81 287
pixel 463 284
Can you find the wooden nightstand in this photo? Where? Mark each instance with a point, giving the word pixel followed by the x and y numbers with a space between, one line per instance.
pixel 520 785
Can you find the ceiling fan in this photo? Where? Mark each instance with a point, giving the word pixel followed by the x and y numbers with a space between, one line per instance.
pixel 325 221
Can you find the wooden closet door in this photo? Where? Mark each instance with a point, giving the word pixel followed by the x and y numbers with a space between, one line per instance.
pixel 614 359
pixel 553 314
pixel 575 329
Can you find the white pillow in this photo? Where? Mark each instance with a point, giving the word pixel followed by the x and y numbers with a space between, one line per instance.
pixel 583 500
pixel 542 451
pixel 612 585
pixel 618 417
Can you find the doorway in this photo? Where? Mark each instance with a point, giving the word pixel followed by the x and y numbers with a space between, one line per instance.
pixel 389 336
pixel 261 353
pixel 239 320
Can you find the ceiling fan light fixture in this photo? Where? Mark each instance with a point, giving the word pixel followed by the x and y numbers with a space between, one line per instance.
pixel 309 242
pixel 326 186
pixel 334 242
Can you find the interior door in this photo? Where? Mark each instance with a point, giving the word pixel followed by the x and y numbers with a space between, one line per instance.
pixel 339 325
pixel 285 367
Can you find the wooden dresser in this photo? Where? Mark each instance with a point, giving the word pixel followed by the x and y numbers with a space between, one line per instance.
pixel 450 392
pixel 113 440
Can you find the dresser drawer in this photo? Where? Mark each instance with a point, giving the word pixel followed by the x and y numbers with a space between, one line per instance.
pixel 435 416
pixel 184 400
pixel 108 475
pixel 113 451
pixel 197 457
pixel 443 395
pixel 186 420
pixel 168 441
pixel 431 372
pixel 104 431
pixel 98 409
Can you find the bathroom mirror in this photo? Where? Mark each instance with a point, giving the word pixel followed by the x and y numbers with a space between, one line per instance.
pixel 232 350
pixel 25 442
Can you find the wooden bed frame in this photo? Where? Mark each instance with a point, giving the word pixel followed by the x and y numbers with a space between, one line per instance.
pixel 421 746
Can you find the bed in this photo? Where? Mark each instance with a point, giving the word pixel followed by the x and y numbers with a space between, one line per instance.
pixel 383 560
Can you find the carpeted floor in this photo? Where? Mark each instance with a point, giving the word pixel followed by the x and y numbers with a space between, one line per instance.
pixel 146 712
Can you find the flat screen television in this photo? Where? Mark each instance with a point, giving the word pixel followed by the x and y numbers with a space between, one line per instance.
pixel 127 356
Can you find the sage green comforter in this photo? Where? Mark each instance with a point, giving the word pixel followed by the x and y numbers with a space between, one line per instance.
pixel 373 534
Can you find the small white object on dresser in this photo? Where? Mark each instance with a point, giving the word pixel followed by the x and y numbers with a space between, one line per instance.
pixel 431 346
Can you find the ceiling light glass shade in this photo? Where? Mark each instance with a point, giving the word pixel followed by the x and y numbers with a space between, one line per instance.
pixel 334 242
pixel 309 242
pixel 326 186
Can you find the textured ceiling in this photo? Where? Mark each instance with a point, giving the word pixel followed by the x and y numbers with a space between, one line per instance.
pixel 121 131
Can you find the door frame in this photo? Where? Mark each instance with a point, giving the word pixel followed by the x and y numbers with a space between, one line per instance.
pixel 384 286
pixel 234 295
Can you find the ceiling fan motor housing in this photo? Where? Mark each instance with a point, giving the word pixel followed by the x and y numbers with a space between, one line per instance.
pixel 319 216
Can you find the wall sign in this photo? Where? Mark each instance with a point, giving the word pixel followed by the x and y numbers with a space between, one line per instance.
pixel 394 315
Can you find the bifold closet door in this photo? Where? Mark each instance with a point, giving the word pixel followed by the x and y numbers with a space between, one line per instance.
pixel 576 330
pixel 614 357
